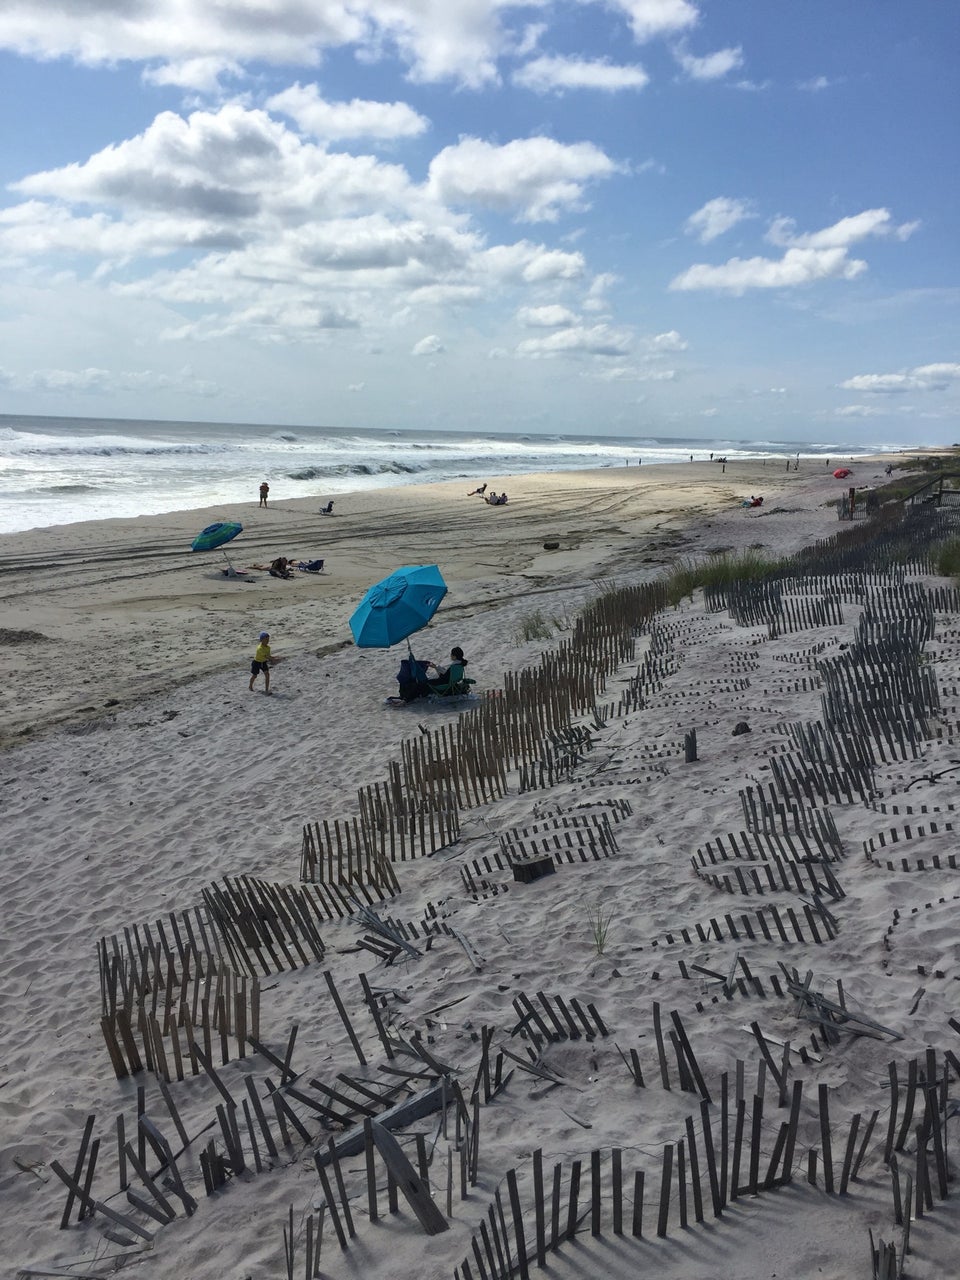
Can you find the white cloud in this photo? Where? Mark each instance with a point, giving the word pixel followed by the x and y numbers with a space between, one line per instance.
pixel 342 120
pixel 532 177
pixel 457 40
pixel 816 84
pixel 664 343
pixel 651 18
pixel 848 231
pixel 926 377
pixel 532 263
pixel 634 373
pixel 428 346
pixel 716 217
pixel 598 340
pixel 857 411
pixel 546 74
pixel 796 267
pixel 549 317
pixel 203 74
pixel 712 67
pixel 96 380
pixel 938 371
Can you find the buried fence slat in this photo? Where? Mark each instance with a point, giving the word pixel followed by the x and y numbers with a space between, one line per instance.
pixel 694 1171
pixel 848 1153
pixel 637 1226
pixel 825 1139
pixel 555 1206
pixel 539 1206
pixel 572 1203
pixel 711 1159
pixel 617 1158
pixel 428 1215
pixel 518 1230
pixel 666 1174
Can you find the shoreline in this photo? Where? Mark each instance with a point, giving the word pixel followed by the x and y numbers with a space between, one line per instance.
pixel 125 609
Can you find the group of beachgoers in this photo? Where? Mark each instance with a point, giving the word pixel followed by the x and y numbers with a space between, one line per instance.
pixel 752 502
pixel 413 679
pixel 492 498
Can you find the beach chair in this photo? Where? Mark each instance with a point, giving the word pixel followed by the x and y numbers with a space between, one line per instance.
pixel 455 684
pixel 310 566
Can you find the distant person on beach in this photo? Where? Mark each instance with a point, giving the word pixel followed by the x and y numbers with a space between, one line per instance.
pixel 263 659
pixel 482 490
pixel 264 490
pixel 280 568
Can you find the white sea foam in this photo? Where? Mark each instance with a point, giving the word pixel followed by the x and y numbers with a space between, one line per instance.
pixel 60 470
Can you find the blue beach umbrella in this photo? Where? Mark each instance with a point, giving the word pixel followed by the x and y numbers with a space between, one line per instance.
pixel 215 535
pixel 398 606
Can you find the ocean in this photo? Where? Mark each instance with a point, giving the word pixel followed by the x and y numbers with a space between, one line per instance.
pixel 60 470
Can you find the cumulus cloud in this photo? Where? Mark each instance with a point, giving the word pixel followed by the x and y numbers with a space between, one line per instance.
pixel 796 267
pixel 716 217
pixel 665 343
pixel 926 377
pixel 714 66
pixel 545 75
pixel 428 346
pixel 651 18
pixel 347 120
pixel 842 234
pixel 457 40
pixel 549 317
pixel 534 178
pixel 203 74
pixel 597 340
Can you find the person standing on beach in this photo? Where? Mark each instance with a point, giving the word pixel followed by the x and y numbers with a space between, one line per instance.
pixel 262 661
pixel 264 490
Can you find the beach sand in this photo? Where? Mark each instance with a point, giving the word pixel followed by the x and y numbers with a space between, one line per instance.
pixel 139 770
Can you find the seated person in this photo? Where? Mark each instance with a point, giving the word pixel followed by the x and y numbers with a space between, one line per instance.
pixel 492 498
pixel 449 673
pixel 756 502
pixel 280 568
pixel 501 501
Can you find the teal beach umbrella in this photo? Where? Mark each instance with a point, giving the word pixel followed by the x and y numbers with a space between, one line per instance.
pixel 398 606
pixel 215 535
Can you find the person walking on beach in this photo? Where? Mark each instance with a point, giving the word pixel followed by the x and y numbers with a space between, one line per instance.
pixel 262 661
pixel 264 490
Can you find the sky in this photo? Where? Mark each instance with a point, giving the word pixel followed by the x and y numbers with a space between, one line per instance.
pixel 709 218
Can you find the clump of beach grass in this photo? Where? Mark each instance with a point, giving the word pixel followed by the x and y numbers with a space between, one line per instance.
pixel 686 576
pixel 599 926
pixel 534 626
pixel 947 558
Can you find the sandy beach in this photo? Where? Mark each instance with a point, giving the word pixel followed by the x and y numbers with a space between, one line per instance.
pixel 138 771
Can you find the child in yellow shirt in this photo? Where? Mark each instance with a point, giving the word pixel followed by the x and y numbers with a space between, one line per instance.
pixel 261 662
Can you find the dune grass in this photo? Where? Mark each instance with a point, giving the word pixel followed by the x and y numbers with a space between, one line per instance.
pixel 687 575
